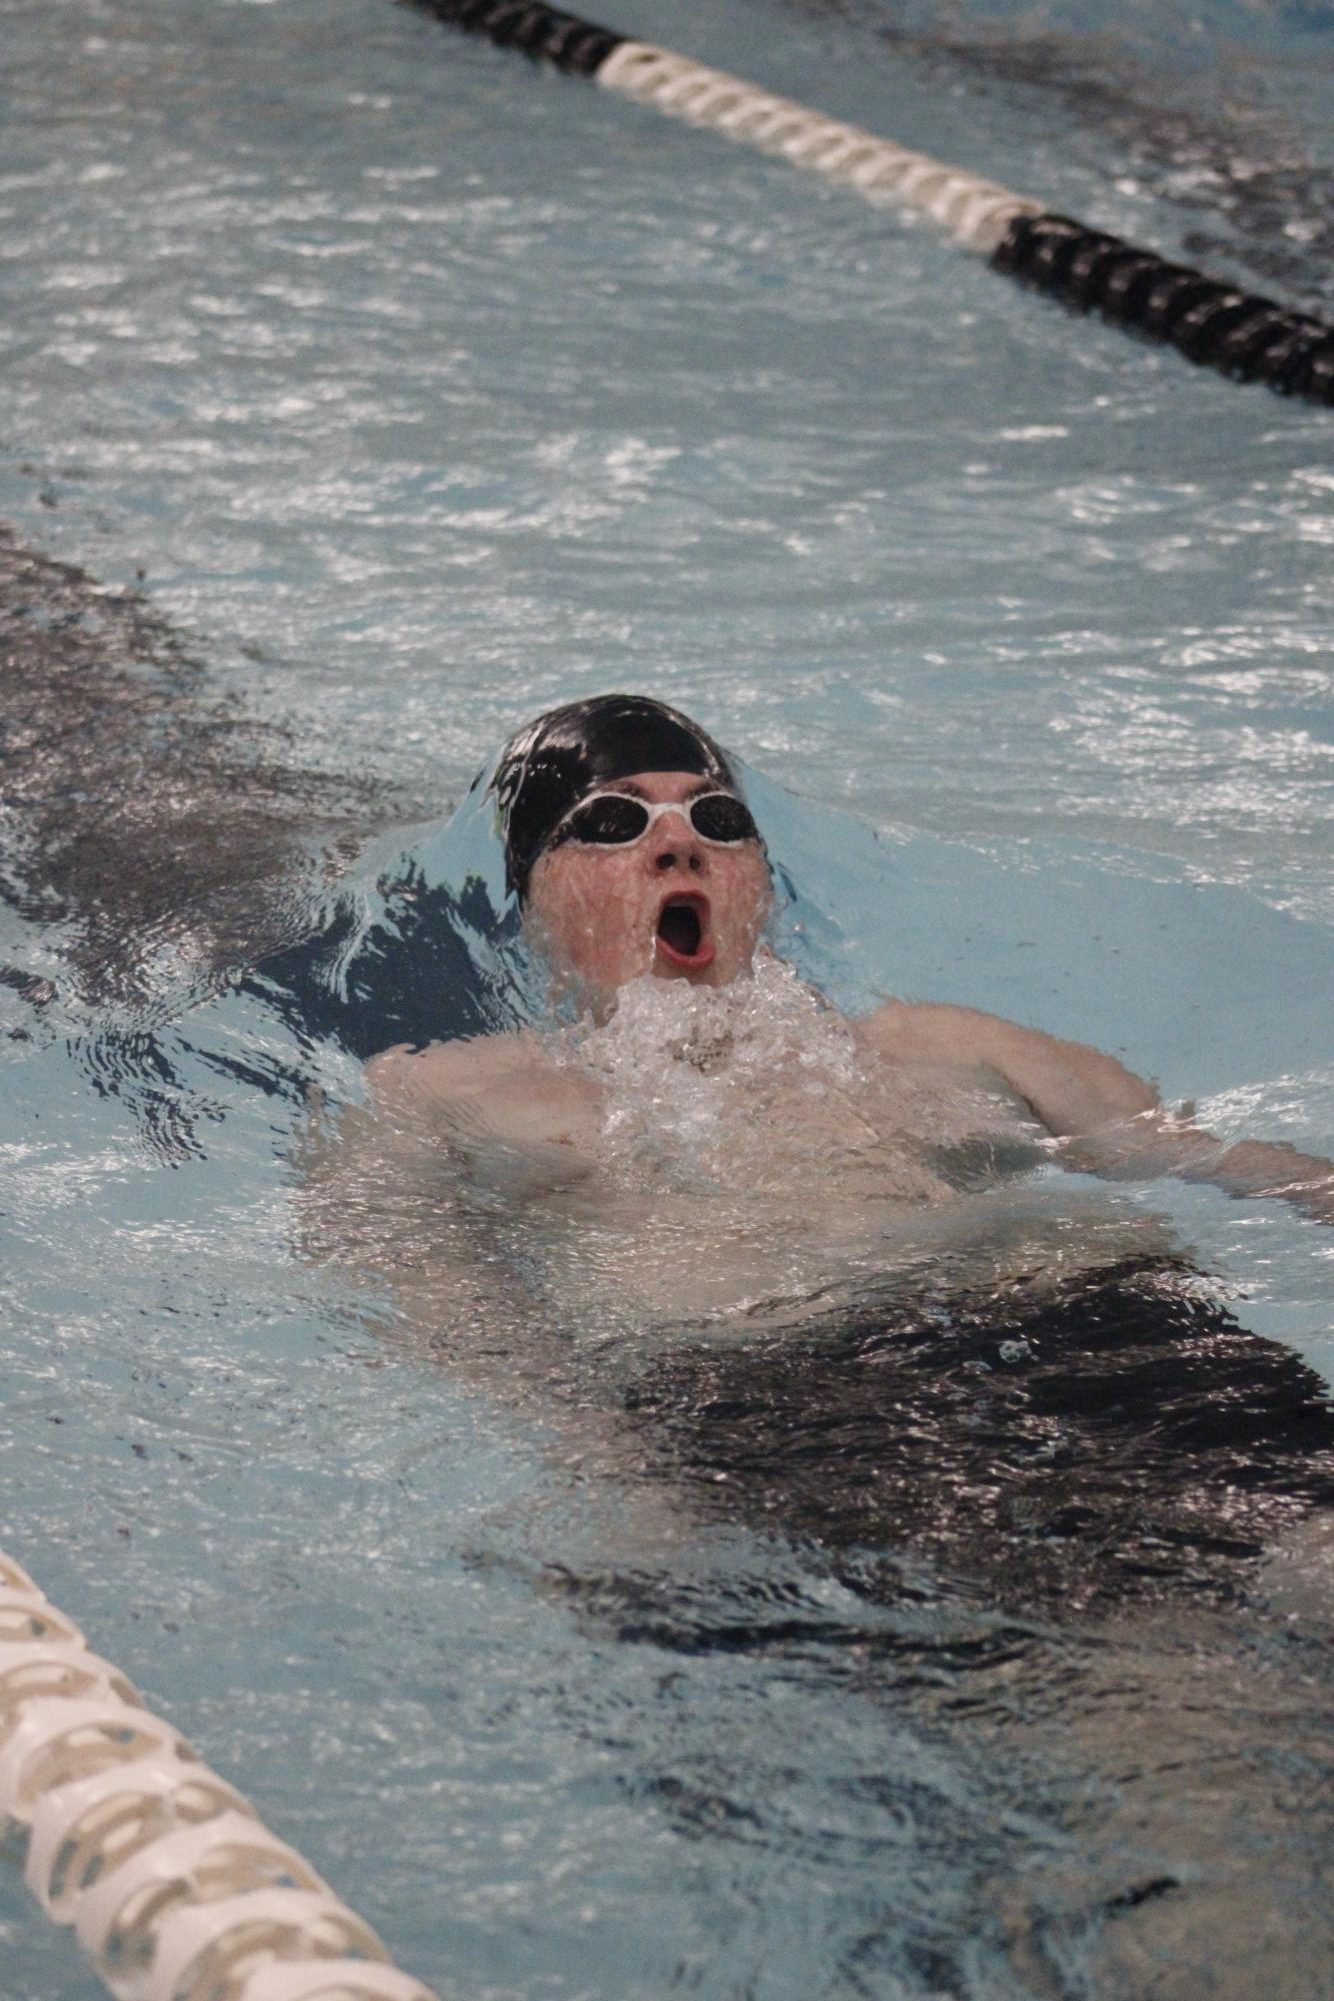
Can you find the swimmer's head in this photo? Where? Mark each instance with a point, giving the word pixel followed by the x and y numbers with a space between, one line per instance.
pixel 546 769
pixel 630 845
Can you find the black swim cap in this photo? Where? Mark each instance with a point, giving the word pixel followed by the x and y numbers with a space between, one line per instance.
pixel 551 765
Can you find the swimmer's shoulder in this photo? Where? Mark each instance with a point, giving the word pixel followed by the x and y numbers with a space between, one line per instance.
pixel 446 1072
pixel 508 1084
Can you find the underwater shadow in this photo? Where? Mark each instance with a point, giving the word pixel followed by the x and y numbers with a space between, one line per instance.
pixel 148 817
pixel 1114 1438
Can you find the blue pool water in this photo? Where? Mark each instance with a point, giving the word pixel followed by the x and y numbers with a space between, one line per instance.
pixel 418 389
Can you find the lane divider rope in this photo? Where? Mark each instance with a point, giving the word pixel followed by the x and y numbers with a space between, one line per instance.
pixel 975 212
pixel 1245 336
pixel 170 1880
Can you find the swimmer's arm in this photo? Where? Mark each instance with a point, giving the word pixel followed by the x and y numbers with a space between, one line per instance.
pixel 377 1195
pixel 1107 1120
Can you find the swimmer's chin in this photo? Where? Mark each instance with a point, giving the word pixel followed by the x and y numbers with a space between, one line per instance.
pixel 573 989
pixel 597 1004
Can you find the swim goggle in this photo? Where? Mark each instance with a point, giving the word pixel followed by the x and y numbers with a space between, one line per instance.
pixel 619 820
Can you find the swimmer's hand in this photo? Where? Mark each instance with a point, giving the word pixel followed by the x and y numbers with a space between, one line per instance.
pixel 1105 1119
pixel 1159 1143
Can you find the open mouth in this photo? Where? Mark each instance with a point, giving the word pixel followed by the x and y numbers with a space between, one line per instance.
pixel 683 932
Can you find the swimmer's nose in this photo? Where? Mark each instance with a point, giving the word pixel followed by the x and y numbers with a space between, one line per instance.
pixel 676 845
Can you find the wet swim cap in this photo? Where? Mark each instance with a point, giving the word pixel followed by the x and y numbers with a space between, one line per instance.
pixel 548 767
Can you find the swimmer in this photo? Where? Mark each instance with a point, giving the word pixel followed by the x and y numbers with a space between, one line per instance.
pixel 702 1233
pixel 633 855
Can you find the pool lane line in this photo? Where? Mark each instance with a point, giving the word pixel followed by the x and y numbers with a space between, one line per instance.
pixel 1244 336
pixel 168 1876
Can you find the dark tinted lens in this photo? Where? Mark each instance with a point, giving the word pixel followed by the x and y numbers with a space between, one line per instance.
pixel 608 821
pixel 720 817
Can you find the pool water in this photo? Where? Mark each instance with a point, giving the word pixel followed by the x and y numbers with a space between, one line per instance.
pixel 935 1645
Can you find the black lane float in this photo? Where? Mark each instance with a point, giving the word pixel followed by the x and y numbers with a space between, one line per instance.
pixel 1244 336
